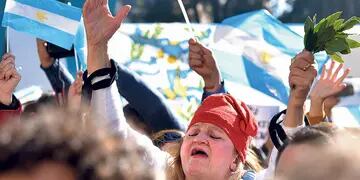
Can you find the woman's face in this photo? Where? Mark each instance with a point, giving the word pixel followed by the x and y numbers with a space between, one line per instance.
pixel 207 152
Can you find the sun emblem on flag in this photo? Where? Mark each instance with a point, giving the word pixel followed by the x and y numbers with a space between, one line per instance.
pixel 41 16
pixel 265 57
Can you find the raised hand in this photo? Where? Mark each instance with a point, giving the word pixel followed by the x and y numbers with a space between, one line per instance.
pixel 9 78
pixel 100 25
pixel 329 83
pixel 302 75
pixel 74 94
pixel 203 63
pixel 45 59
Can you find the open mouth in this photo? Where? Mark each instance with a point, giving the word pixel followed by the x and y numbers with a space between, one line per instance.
pixel 198 153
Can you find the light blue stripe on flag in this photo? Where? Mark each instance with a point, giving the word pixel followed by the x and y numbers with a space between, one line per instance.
pixel 268 43
pixel 55 7
pixel 355 111
pixel 49 20
pixel 263 81
pixel 262 24
pixel 42 31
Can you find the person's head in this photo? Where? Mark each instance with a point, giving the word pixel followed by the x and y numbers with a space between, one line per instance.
pixel 46 101
pixel 216 142
pixel 306 150
pixel 55 146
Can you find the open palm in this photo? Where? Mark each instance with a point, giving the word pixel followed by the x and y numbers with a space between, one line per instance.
pixel 100 25
pixel 329 83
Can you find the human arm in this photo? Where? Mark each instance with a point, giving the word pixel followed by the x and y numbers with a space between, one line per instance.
pixel 105 100
pixel 328 85
pixel 202 61
pixel 301 77
pixel 58 76
pixel 147 101
pixel 10 107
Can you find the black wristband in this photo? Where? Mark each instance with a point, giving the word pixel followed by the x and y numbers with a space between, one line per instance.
pixel 100 79
pixel 15 104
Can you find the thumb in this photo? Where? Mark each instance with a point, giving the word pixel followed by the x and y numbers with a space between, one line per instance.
pixel 122 14
pixel 192 41
pixel 205 50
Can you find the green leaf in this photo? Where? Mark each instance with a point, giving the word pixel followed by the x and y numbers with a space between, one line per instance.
pixel 310 40
pixel 346 51
pixel 329 52
pixel 320 25
pixel 352 43
pixel 308 29
pixel 325 35
pixel 341 35
pixel 350 23
pixel 338 23
pixel 314 18
pixel 308 25
pixel 336 45
pixel 332 18
pixel 337 57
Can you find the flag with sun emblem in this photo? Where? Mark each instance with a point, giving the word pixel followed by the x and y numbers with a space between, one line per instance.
pixel 255 49
pixel 49 20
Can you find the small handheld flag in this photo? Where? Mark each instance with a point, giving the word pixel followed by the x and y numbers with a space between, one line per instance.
pixel 49 20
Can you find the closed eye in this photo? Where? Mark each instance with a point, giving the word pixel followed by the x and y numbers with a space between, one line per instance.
pixel 192 134
pixel 215 137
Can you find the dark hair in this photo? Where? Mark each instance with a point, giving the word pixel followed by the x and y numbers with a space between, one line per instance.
pixel 319 134
pixel 92 150
pixel 47 100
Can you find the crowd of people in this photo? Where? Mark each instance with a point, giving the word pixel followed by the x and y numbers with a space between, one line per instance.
pixel 84 131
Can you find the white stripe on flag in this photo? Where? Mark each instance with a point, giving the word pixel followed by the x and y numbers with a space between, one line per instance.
pixel 53 20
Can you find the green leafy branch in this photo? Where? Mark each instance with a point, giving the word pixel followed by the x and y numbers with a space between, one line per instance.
pixel 329 35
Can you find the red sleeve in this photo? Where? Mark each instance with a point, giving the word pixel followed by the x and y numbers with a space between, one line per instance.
pixel 10 112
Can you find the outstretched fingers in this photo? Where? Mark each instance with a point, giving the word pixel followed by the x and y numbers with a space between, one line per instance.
pixel 334 76
pixel 341 78
pixel 121 15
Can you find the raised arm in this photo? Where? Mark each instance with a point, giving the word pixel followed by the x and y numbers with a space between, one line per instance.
pixel 152 106
pixel 301 77
pixel 10 107
pixel 329 84
pixel 100 26
pixel 202 61
pixel 59 77
pixel 147 101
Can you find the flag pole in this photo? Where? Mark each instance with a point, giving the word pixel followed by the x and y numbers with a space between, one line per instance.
pixel 7 40
pixel 186 17
pixel 76 61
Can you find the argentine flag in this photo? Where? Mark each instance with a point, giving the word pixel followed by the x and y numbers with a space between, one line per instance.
pixel 255 49
pixel 49 20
